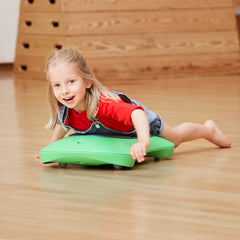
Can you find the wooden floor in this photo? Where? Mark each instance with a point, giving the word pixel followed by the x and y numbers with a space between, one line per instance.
pixel 193 195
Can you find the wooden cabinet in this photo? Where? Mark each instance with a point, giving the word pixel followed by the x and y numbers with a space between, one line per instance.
pixel 130 38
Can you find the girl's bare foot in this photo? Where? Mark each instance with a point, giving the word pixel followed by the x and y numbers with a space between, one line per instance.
pixel 216 136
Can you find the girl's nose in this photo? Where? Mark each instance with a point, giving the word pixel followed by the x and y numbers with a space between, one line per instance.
pixel 65 90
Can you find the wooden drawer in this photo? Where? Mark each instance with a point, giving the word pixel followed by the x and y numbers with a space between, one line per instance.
pixel 41 23
pixel 123 5
pixel 72 24
pixel 38 45
pixel 40 5
pixel 29 67
pixel 142 68
pixel 136 45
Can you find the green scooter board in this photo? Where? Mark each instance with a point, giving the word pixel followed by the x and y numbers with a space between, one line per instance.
pixel 100 150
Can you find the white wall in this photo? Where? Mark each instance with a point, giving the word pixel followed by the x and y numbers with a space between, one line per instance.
pixel 9 12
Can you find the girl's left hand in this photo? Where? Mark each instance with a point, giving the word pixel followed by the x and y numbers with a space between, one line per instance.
pixel 138 151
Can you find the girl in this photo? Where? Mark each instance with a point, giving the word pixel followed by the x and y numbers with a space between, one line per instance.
pixel 80 102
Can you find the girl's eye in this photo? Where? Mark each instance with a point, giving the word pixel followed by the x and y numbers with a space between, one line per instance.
pixel 71 81
pixel 56 85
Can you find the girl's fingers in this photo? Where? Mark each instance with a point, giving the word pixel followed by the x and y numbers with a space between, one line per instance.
pixel 37 157
pixel 138 151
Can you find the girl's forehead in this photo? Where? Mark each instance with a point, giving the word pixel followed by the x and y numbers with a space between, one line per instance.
pixel 63 65
pixel 63 71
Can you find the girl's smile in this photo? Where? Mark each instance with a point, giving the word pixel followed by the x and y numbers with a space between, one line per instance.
pixel 69 87
pixel 69 100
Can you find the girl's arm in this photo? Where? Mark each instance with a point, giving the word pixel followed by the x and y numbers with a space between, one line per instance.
pixel 140 122
pixel 59 133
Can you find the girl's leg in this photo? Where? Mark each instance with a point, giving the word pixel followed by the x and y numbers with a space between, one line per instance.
pixel 190 131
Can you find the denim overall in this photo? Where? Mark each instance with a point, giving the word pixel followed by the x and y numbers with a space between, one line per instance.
pixel 97 128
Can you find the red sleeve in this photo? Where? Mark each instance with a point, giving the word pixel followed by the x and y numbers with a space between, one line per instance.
pixel 117 114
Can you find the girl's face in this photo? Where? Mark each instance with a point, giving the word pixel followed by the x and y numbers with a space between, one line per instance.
pixel 68 86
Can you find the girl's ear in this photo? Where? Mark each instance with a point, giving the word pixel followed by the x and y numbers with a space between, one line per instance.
pixel 88 84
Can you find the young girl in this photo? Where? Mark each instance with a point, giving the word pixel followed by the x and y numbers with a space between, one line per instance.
pixel 80 102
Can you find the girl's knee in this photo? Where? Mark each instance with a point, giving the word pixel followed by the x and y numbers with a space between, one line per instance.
pixel 172 135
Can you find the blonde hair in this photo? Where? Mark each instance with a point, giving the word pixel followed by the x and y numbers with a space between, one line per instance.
pixel 93 94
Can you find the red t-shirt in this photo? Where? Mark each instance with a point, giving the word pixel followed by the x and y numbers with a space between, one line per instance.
pixel 112 114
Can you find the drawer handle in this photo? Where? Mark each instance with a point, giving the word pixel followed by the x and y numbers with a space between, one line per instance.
pixel 28 23
pixel 23 67
pixel 55 24
pixel 58 46
pixel 26 45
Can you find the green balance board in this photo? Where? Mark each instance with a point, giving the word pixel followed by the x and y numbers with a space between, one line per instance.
pixel 99 150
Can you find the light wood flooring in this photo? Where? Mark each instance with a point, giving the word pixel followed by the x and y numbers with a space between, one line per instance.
pixel 194 195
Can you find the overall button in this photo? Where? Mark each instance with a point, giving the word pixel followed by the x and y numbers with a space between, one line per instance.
pixel 97 126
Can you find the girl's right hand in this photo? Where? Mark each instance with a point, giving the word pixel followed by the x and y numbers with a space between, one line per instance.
pixel 37 157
